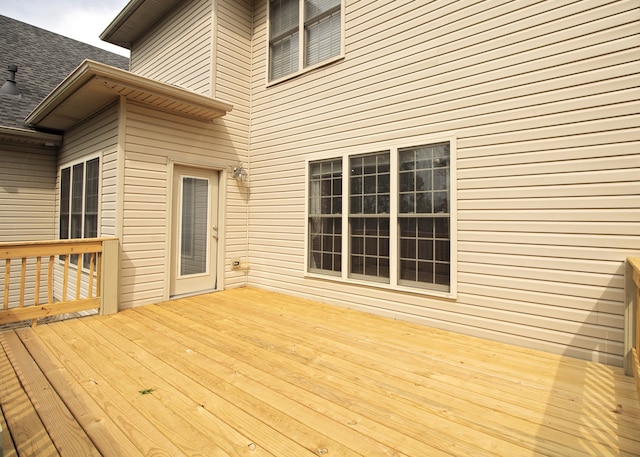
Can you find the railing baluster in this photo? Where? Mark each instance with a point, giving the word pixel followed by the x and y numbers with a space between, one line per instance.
pixel 92 257
pixel 99 275
pixel 50 280
pixel 36 300
pixel 65 278
pixel 7 279
pixel 79 276
pixel 23 280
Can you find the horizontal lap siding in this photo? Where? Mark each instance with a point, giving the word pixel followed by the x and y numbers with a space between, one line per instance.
pixel 27 193
pixel 233 84
pixel 96 137
pixel 152 137
pixel 178 50
pixel 153 140
pixel 543 100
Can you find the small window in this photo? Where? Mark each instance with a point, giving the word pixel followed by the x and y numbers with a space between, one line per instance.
pixel 79 188
pixel 423 216
pixel 325 216
pixel 313 26
pixel 369 216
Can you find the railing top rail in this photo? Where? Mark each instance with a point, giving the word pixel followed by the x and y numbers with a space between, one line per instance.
pixel 12 250
pixel 634 262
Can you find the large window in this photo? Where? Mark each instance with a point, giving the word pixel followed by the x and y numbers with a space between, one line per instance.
pixel 311 26
pixel 79 185
pixel 397 212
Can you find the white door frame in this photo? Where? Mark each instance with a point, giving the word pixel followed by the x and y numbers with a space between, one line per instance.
pixel 221 207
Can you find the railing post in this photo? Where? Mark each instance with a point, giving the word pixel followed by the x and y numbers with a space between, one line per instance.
pixel 109 293
pixel 629 317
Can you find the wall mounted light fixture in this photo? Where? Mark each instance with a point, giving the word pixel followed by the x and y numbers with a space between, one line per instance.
pixel 240 173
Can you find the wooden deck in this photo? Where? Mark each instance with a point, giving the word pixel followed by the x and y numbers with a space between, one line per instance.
pixel 248 372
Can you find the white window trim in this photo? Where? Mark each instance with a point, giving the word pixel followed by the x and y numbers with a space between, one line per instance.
pixel 393 229
pixel 301 68
pixel 70 165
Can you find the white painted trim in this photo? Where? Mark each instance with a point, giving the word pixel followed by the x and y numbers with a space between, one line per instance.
pixel 121 170
pixel 223 176
pixel 301 68
pixel 393 148
pixel 214 49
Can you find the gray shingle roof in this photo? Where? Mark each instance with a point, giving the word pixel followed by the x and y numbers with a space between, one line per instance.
pixel 44 59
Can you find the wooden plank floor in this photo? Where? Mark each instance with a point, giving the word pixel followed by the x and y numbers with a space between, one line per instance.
pixel 249 372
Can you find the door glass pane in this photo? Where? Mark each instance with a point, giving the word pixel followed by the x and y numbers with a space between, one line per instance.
pixel 194 223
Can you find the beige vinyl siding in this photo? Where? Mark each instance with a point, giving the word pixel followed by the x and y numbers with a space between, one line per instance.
pixel 27 193
pixel 155 140
pixel 233 84
pixel 542 99
pixel 179 50
pixel 96 137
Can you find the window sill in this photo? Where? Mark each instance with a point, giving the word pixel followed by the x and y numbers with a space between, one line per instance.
pixel 305 70
pixel 394 288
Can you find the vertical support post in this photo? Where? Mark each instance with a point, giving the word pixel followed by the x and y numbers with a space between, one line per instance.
pixel 109 283
pixel 629 317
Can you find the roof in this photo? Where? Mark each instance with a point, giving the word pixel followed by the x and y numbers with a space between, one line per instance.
pixel 44 59
pixel 135 19
pixel 92 86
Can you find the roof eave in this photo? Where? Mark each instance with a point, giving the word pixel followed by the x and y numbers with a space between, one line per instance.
pixel 134 20
pixel 116 82
pixel 30 137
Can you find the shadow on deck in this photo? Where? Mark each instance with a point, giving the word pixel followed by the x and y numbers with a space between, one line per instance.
pixel 248 372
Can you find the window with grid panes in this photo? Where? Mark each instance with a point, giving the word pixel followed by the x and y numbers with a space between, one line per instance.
pixel 369 198
pixel 325 216
pixel 423 215
pixel 313 26
pixel 79 188
pixel 420 241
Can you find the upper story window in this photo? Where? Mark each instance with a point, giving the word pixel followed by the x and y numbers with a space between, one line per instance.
pixel 313 26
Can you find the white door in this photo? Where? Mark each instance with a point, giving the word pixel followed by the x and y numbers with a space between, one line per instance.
pixel 194 231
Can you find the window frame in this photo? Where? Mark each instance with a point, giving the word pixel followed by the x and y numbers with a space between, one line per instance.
pixel 71 166
pixel 394 283
pixel 302 57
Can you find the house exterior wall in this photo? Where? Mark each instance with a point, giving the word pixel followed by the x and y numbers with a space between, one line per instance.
pixel 27 192
pixel 542 100
pixel 96 137
pixel 156 141
pixel 154 144
pixel 179 49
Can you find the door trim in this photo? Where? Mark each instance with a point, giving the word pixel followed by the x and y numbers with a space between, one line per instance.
pixel 222 211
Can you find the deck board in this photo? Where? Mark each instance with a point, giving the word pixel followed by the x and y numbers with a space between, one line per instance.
pixel 249 372
pixel 25 433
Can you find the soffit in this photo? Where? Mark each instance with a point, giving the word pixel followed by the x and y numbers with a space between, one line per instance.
pixel 135 19
pixel 24 137
pixel 93 86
